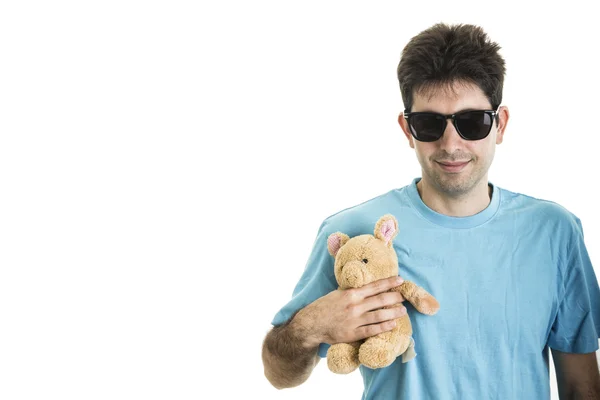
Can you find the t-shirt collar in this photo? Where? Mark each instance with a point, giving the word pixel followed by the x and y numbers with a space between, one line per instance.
pixel 454 222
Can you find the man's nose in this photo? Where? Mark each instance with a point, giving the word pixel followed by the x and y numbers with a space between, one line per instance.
pixel 451 140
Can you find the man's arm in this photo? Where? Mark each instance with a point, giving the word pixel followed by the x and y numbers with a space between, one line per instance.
pixel 290 351
pixel 289 354
pixel 577 375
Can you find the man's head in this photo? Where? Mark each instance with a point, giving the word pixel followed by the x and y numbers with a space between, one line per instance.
pixel 446 70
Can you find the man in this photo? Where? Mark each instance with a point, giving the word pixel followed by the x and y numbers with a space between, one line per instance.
pixel 511 273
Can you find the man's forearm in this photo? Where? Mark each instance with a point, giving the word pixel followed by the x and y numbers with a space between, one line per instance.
pixel 577 375
pixel 288 355
pixel 591 393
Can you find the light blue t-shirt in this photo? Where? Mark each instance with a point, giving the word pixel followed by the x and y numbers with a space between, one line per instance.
pixel 511 281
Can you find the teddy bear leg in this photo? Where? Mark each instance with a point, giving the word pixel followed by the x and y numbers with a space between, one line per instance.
pixel 342 358
pixel 381 350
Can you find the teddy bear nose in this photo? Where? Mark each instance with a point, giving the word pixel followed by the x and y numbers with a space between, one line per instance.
pixel 365 260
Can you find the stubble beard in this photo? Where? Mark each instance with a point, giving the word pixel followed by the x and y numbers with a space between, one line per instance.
pixel 456 185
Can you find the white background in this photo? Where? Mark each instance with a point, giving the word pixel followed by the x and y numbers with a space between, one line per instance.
pixel 164 167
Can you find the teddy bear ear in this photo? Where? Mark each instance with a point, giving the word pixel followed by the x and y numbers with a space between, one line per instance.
pixel 335 241
pixel 386 229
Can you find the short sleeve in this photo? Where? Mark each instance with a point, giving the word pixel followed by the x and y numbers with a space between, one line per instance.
pixel 577 325
pixel 317 280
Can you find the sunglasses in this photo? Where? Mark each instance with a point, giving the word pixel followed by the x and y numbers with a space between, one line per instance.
pixel 470 125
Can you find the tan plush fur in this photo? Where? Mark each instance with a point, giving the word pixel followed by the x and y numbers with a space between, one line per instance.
pixel 361 260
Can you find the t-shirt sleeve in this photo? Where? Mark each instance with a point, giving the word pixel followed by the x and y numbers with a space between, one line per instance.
pixel 577 325
pixel 316 281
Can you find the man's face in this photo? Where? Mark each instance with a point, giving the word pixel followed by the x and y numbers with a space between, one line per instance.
pixel 453 165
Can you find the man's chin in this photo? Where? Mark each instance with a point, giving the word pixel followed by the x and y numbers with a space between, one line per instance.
pixel 454 184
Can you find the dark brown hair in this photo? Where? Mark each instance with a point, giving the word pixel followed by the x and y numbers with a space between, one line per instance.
pixel 446 54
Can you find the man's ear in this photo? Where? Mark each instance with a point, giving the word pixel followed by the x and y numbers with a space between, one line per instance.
pixel 503 116
pixel 335 241
pixel 404 125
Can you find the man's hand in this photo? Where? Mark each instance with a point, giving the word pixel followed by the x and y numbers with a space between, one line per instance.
pixel 345 316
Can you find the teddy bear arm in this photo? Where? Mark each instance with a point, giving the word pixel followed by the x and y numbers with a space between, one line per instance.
pixel 424 302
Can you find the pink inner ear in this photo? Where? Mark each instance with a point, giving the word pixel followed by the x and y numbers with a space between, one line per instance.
pixel 333 241
pixel 388 229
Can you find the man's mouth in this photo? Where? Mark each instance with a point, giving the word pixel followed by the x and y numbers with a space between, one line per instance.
pixel 453 166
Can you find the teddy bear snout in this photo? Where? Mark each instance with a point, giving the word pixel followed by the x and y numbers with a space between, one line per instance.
pixel 353 275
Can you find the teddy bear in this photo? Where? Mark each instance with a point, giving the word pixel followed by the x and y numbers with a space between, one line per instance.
pixel 359 261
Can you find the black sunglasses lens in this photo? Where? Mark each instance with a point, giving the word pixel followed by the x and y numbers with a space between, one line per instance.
pixel 427 127
pixel 474 125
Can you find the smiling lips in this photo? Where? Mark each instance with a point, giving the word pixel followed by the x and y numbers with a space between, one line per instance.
pixel 452 166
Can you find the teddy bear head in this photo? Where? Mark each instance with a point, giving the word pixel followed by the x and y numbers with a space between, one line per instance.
pixel 365 258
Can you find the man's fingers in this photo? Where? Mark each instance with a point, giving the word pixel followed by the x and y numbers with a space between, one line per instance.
pixel 380 286
pixel 386 314
pixel 372 330
pixel 381 300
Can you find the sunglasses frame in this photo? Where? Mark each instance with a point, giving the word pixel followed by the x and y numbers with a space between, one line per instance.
pixel 493 113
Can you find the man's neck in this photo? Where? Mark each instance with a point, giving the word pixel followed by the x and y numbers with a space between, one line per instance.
pixel 469 204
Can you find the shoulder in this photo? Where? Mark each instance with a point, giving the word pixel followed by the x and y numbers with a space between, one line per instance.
pixel 539 211
pixel 361 218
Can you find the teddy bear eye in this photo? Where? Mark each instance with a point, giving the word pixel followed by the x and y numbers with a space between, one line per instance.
pixel 365 260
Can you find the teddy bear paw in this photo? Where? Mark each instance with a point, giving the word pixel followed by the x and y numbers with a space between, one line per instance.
pixel 342 358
